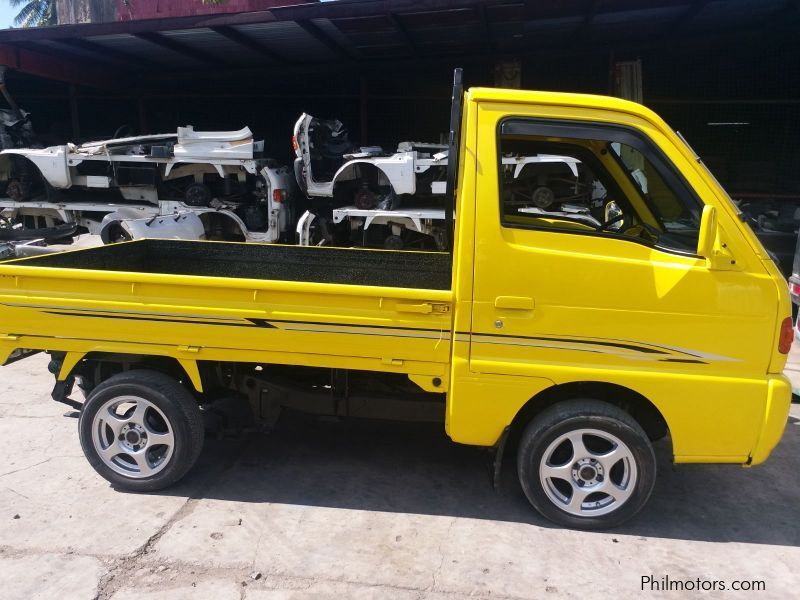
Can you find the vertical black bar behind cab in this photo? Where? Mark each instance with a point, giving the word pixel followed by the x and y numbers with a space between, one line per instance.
pixel 454 140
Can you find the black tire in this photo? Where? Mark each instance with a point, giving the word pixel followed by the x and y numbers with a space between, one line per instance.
pixel 19 190
pixel 197 194
pixel 571 417
pixel 113 233
pixel 174 402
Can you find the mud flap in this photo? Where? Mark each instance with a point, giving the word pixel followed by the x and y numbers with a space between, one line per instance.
pixel 496 453
pixel 62 390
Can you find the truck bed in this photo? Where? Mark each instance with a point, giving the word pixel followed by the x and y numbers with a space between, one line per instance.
pixel 412 270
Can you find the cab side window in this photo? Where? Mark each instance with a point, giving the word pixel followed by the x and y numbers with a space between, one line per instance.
pixel 599 183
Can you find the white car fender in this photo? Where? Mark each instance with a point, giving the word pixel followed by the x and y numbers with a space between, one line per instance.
pixel 51 162
pixel 181 226
pixel 398 170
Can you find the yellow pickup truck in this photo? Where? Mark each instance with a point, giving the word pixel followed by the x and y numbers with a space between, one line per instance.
pixel 600 296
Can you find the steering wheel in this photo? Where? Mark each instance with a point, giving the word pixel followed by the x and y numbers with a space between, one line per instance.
pixel 605 226
pixel 122 129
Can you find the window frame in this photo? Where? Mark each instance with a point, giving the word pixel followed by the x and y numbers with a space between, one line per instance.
pixel 604 132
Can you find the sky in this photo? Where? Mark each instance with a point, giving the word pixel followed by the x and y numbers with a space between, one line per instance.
pixel 7 14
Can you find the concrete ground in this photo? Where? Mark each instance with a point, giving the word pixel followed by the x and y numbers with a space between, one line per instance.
pixel 320 509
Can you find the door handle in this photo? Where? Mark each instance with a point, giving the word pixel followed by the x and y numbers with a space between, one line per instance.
pixel 514 302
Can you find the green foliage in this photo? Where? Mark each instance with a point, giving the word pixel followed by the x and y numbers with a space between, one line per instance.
pixel 34 13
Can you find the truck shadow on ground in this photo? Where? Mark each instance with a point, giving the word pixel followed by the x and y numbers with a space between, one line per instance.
pixel 414 468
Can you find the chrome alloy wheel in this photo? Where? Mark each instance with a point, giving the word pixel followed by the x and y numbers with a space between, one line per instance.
pixel 132 436
pixel 588 472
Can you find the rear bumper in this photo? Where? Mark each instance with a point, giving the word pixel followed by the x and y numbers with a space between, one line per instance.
pixel 776 413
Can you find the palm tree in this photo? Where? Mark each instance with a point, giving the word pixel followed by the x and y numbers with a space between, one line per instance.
pixel 35 13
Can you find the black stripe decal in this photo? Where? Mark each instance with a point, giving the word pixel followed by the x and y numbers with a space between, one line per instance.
pixel 263 323
pixel 549 347
pixel 633 347
pixel 684 360
pixel 257 323
pixel 114 312
pixel 439 330
pixel 270 324
pixel 254 323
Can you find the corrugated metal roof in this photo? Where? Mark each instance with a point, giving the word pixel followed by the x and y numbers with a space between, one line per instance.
pixel 289 39
pixel 355 30
pixel 136 47
pixel 210 41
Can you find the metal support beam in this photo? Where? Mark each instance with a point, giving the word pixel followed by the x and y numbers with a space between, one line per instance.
pixel 245 41
pixel 749 34
pixel 686 17
pixel 314 31
pixel 168 43
pixel 403 31
pixel 104 52
pixel 58 68
pixel 592 7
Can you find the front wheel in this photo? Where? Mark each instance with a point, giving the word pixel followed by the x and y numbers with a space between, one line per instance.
pixel 586 464
pixel 141 430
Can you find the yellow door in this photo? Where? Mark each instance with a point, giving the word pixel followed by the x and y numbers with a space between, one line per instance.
pixel 586 270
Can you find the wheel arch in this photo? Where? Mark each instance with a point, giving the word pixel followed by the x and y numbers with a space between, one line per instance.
pixel 638 406
pixel 357 169
pixel 235 225
pixel 186 371
pixel 107 225
pixel 49 164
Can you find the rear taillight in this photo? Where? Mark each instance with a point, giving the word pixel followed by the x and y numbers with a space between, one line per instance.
pixel 787 335
pixel 294 143
pixel 794 289
pixel 279 196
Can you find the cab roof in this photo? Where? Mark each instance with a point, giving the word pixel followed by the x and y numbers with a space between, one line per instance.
pixel 484 94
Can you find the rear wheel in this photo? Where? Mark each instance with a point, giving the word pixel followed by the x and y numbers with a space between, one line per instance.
pixel 141 430
pixel 586 464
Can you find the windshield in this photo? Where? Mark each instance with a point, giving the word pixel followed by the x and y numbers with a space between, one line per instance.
pixel 710 174
pixel 672 211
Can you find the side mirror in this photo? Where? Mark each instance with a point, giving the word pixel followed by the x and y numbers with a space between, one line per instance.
pixel 708 232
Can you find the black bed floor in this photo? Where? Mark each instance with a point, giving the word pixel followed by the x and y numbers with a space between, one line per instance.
pixel 423 270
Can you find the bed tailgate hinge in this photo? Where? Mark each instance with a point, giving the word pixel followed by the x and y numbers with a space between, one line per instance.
pixel 424 308
pixel 189 349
